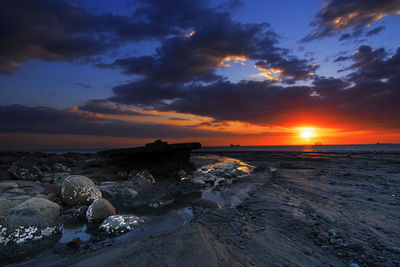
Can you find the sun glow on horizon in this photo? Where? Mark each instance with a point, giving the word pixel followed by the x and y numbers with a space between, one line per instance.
pixel 306 132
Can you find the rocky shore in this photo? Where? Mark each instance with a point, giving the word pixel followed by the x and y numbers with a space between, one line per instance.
pixel 236 208
pixel 40 193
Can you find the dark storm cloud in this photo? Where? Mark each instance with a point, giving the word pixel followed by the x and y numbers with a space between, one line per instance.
pixel 338 15
pixel 374 64
pixel 183 58
pixel 50 30
pixel 60 30
pixel 46 120
pixel 145 92
pixel 104 107
pixel 363 97
pixel 250 101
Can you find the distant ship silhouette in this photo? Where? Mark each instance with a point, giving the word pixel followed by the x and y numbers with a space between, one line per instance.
pixel 232 145
pixel 318 144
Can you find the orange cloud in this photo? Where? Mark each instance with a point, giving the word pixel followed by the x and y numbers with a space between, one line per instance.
pixel 271 74
pixel 190 34
pixel 235 59
pixel 73 109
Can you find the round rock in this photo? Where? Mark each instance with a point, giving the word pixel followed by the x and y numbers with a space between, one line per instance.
pixel 35 211
pixel 99 210
pixel 32 219
pixel 79 190
pixel 25 170
pixel 120 224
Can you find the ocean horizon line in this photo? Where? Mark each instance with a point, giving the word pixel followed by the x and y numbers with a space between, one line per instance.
pixel 315 147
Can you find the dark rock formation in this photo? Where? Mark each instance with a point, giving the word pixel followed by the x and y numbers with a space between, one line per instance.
pixel 163 161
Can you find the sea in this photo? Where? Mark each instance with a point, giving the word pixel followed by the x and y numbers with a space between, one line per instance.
pixel 386 148
pixel 308 148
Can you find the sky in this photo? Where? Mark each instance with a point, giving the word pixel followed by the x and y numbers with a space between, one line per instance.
pixel 91 74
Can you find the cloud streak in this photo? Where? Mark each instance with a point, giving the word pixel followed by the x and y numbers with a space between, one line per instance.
pixel 338 15
pixel 46 120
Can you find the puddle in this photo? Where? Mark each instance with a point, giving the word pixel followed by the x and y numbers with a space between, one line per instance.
pixel 167 220
pixel 171 221
pixel 220 163
pixel 70 233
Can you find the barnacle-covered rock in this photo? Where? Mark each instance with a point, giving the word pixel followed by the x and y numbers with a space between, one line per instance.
pixel 99 210
pixel 120 224
pixel 32 219
pixel 79 190
pixel 25 169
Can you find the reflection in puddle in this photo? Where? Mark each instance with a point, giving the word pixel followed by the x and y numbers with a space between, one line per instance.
pixel 222 163
pixel 70 233
pixel 243 169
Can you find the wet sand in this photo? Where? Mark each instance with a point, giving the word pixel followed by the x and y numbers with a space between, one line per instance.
pixel 302 209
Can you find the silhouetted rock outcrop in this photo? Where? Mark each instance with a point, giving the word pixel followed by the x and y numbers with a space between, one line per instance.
pixel 163 160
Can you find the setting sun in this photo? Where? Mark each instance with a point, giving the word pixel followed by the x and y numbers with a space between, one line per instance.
pixel 306 133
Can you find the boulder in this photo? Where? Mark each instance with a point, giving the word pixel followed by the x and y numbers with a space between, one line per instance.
pixel 25 170
pixel 143 178
pixel 120 224
pixel 99 210
pixel 115 189
pixel 35 211
pixel 32 219
pixel 79 190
